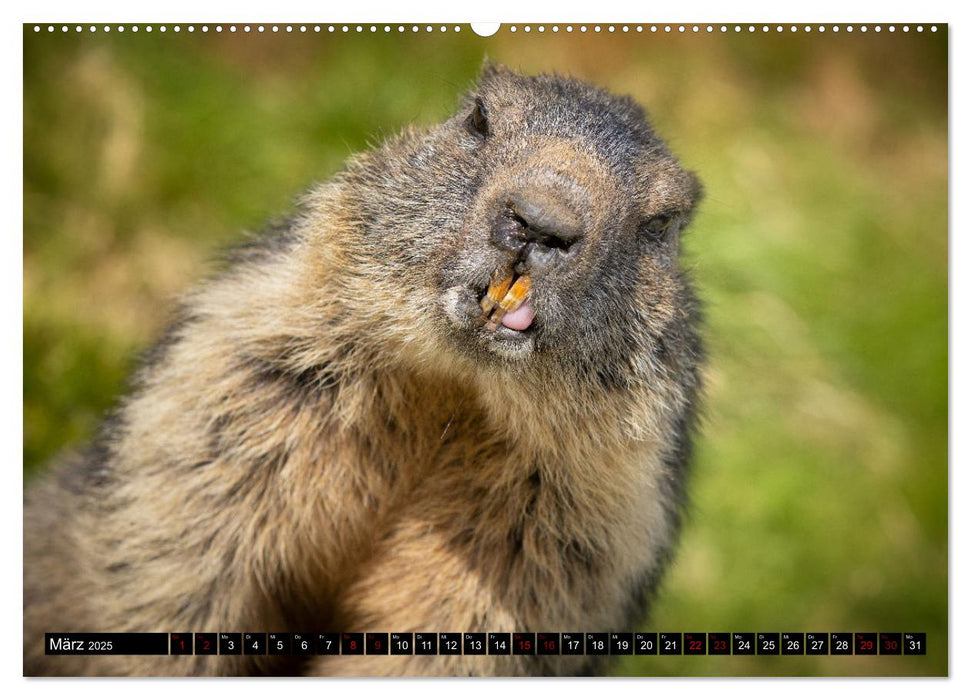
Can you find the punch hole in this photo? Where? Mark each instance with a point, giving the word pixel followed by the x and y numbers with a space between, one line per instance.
pixel 485 28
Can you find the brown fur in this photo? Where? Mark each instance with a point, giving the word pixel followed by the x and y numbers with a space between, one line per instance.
pixel 324 442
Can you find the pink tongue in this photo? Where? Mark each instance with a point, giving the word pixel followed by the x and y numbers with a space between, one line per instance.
pixel 520 319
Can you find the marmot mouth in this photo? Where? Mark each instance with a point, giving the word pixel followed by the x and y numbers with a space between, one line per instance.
pixel 505 302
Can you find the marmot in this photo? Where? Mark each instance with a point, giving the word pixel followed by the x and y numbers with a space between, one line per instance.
pixel 341 432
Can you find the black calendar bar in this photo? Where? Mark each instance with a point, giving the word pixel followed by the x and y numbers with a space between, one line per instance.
pixel 491 644
pixel 106 644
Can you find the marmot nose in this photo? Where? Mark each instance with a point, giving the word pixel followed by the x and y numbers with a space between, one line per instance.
pixel 538 228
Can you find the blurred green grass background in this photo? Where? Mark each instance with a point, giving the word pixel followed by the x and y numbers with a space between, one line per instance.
pixel 820 483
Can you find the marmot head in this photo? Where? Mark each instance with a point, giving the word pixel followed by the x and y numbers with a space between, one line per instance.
pixel 542 177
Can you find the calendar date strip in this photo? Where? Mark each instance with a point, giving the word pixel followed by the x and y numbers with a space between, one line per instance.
pixel 488 643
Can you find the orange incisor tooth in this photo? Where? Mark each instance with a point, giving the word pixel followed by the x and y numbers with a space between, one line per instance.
pixel 495 295
pixel 513 299
pixel 516 296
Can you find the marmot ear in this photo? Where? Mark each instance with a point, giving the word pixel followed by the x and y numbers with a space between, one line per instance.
pixel 492 71
pixel 696 188
pixel 635 108
pixel 696 193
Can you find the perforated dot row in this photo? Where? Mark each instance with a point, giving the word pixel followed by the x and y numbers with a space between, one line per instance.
pixel 414 28
pixel 719 28
pixel 250 28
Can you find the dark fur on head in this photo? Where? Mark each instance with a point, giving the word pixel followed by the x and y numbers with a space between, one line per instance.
pixel 330 438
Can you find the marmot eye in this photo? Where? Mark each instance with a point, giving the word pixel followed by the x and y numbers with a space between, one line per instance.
pixel 477 123
pixel 655 227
